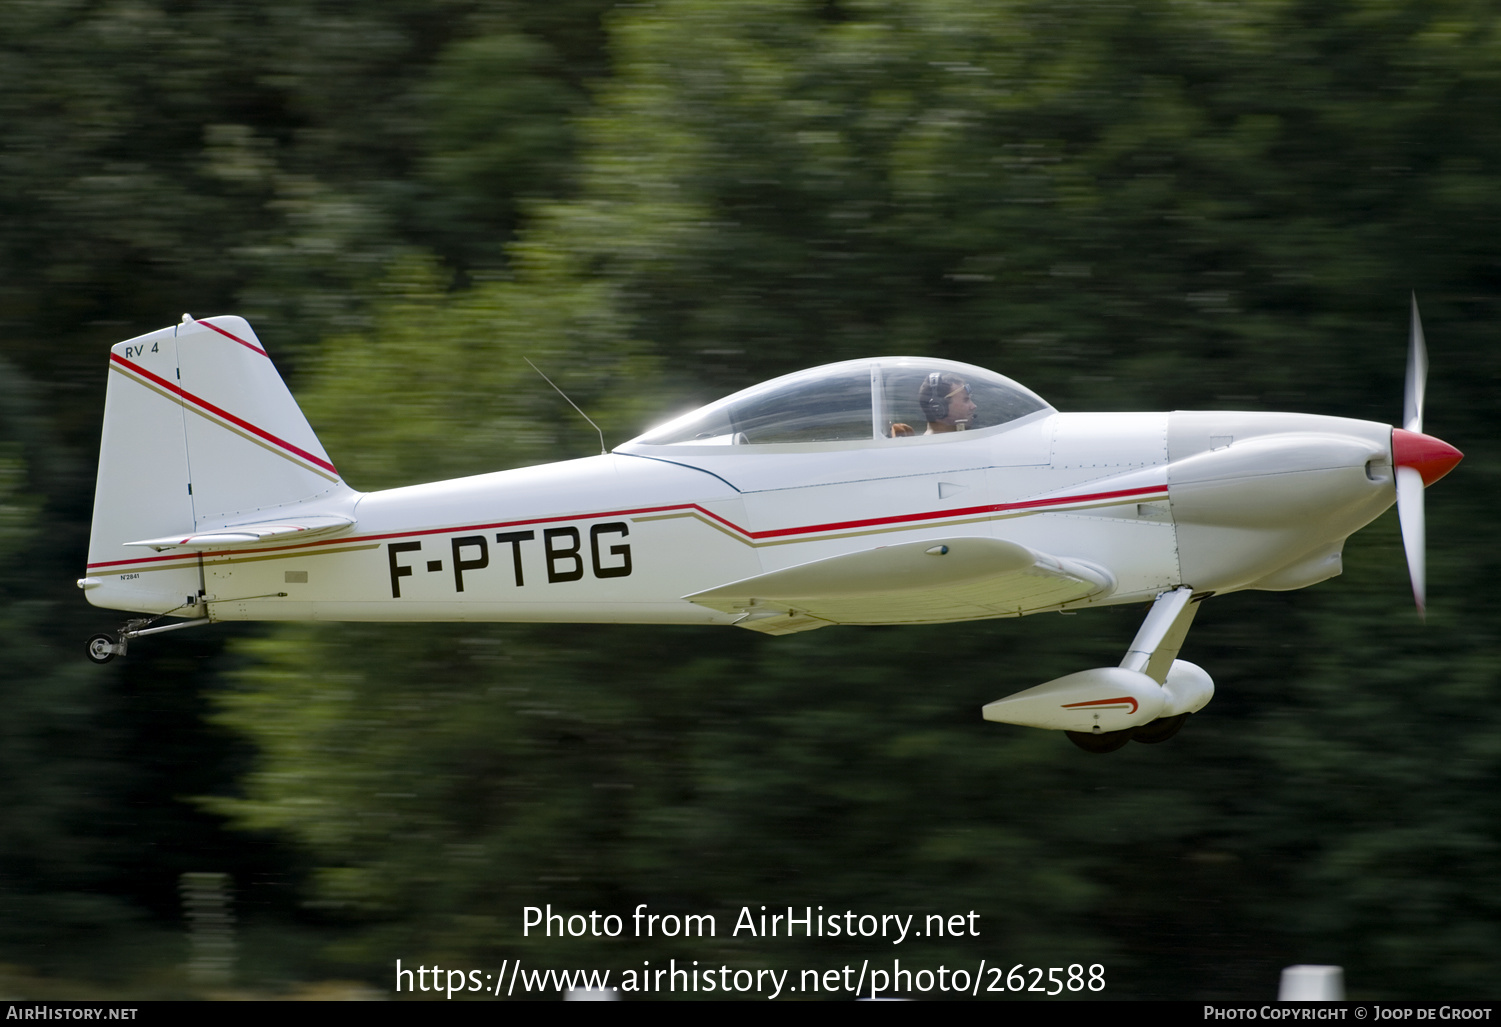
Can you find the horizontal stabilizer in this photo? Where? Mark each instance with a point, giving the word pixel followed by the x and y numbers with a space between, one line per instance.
pixel 298 529
pixel 912 583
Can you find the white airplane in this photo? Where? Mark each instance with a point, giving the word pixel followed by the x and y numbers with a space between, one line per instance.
pixel 891 490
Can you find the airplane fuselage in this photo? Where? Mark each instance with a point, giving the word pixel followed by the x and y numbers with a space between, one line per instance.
pixel 1218 501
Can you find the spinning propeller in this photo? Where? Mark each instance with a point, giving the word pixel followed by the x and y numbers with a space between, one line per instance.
pixel 1420 460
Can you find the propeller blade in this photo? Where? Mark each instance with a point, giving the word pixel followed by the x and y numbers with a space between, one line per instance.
pixel 1417 374
pixel 1410 515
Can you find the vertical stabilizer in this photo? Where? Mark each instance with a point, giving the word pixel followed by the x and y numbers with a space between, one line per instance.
pixel 250 449
pixel 200 432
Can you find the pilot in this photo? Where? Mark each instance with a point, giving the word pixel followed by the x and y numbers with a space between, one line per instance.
pixel 946 403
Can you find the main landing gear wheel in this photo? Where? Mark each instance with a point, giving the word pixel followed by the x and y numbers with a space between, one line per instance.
pixel 1105 741
pixel 102 648
pixel 1160 730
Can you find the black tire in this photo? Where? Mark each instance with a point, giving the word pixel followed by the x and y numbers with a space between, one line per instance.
pixel 101 648
pixel 1105 741
pixel 1161 729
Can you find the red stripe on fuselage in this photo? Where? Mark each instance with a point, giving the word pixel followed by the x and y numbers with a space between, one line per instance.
pixel 964 512
pixel 1030 504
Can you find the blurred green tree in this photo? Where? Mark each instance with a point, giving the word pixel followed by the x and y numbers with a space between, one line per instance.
pixel 1143 205
pixel 1129 206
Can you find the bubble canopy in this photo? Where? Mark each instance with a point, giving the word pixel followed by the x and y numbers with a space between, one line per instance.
pixel 875 400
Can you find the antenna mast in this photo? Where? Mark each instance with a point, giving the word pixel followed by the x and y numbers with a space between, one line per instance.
pixel 571 403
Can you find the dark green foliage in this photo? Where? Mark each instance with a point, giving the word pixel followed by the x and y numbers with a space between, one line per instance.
pixel 1124 206
pixel 53 754
pixel 266 159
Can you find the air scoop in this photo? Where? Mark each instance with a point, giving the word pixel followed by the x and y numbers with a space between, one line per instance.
pixel 1432 458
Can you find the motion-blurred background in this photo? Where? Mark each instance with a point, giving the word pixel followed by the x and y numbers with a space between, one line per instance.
pixel 1123 205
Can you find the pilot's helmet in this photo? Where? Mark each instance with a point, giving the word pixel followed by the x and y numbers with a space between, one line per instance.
pixel 935 392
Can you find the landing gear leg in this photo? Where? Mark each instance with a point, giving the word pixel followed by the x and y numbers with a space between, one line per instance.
pixel 1146 699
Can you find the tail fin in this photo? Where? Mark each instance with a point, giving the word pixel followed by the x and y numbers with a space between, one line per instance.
pixel 200 433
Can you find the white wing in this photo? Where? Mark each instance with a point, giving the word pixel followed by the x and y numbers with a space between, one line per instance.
pixel 912 583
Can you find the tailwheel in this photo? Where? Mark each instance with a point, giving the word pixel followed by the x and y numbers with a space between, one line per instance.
pixel 103 648
pixel 1160 730
pixel 1105 741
